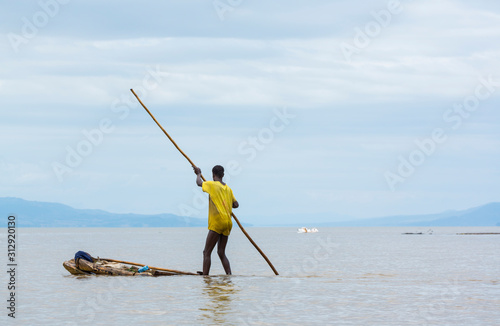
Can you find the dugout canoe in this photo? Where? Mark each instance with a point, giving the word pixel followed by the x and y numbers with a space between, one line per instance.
pixel 109 267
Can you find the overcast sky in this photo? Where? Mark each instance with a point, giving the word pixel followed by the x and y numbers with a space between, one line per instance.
pixel 318 109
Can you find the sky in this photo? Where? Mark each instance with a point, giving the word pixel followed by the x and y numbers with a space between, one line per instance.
pixel 319 110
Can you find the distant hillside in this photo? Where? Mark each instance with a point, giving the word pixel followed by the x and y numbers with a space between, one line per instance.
pixel 41 214
pixel 486 215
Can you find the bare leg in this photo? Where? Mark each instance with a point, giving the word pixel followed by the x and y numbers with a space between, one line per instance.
pixel 221 251
pixel 212 238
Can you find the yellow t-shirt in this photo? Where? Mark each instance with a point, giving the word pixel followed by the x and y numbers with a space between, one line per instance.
pixel 220 206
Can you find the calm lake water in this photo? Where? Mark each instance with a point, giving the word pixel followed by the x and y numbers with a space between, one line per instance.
pixel 339 276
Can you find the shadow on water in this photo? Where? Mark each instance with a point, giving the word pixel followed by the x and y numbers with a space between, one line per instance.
pixel 219 293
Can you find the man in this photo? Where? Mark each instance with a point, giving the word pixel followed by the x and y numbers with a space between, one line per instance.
pixel 221 201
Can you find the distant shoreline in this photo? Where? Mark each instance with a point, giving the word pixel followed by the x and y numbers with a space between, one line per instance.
pixel 43 214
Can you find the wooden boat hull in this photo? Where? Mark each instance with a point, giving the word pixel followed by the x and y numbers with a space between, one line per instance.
pixel 103 267
pixel 71 267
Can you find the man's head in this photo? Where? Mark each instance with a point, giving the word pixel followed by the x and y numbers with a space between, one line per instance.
pixel 218 171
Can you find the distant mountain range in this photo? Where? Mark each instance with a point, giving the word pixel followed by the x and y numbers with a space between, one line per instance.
pixel 485 215
pixel 42 214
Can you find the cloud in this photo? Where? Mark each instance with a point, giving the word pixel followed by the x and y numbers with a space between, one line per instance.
pixel 215 84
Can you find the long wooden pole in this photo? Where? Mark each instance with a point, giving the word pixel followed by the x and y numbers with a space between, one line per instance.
pixel 192 164
pixel 150 267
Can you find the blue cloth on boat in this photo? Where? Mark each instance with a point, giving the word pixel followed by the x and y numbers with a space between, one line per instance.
pixel 83 255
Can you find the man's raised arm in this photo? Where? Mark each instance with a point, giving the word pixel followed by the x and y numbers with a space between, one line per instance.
pixel 197 171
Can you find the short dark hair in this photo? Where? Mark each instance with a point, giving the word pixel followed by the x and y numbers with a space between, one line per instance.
pixel 218 170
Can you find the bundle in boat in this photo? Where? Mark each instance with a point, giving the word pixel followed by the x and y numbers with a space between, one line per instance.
pixel 84 264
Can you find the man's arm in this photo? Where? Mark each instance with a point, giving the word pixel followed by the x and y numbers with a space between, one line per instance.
pixel 197 171
pixel 236 204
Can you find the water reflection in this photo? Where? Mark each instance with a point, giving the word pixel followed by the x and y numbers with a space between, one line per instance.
pixel 219 293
